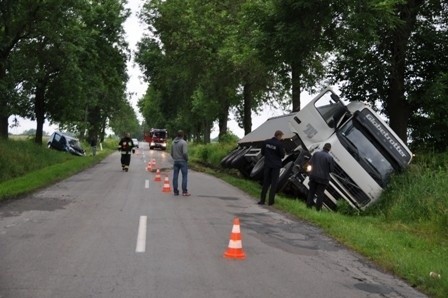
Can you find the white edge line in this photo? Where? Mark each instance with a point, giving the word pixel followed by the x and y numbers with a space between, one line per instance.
pixel 141 236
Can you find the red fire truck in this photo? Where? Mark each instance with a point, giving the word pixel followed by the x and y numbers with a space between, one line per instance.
pixel 157 138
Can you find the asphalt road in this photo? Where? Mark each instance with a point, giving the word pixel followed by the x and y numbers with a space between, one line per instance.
pixel 107 233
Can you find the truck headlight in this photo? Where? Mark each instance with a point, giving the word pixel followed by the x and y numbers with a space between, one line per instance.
pixel 309 168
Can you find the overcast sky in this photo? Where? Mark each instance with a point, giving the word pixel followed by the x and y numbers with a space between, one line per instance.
pixel 137 86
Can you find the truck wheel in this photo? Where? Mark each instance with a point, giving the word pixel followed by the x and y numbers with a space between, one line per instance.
pixel 226 158
pixel 240 161
pixel 257 171
pixel 245 171
pixel 285 173
pixel 228 163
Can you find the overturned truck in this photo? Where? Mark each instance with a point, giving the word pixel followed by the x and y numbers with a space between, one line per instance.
pixel 365 149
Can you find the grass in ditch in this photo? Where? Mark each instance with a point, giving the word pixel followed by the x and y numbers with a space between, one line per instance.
pixel 25 166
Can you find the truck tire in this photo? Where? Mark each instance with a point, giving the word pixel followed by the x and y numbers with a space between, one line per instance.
pixel 226 158
pixel 285 173
pixel 257 170
pixel 228 163
pixel 245 171
pixel 239 161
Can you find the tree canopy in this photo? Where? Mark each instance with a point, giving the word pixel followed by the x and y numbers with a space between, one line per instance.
pixel 205 59
pixel 65 61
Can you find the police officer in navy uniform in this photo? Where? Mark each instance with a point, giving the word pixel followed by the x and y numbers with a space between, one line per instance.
pixel 273 152
pixel 126 146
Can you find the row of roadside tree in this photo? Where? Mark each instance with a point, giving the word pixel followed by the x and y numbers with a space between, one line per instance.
pixel 206 59
pixel 64 61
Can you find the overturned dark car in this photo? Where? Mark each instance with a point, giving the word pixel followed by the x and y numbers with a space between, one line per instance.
pixel 63 142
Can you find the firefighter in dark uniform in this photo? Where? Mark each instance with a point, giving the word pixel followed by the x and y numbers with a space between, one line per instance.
pixel 126 146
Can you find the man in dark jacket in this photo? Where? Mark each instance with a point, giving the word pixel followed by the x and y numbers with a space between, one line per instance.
pixel 126 146
pixel 179 153
pixel 321 166
pixel 273 152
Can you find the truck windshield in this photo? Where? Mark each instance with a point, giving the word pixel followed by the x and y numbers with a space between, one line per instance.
pixel 159 134
pixel 356 140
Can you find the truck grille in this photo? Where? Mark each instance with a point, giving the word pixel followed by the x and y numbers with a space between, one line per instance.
pixel 353 192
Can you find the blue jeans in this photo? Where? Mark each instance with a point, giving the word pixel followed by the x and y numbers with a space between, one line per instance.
pixel 181 165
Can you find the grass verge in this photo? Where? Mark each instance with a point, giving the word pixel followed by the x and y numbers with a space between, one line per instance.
pixel 26 167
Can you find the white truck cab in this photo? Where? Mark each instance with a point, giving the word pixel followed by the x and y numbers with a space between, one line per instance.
pixel 365 149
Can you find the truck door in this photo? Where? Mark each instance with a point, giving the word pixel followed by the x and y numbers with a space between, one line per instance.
pixel 318 120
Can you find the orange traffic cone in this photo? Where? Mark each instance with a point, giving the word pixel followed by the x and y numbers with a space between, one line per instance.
pixel 235 249
pixel 166 185
pixel 149 167
pixel 157 177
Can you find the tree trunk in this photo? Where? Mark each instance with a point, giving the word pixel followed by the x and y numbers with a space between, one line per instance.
pixel 4 114
pixel 223 118
pixel 39 111
pixel 398 108
pixel 103 130
pixel 247 117
pixel 197 133
pixel 295 83
pixel 4 127
pixel 207 129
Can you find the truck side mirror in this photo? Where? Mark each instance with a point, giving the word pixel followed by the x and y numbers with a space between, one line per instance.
pixel 335 97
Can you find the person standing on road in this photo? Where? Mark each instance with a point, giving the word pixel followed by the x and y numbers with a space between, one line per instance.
pixel 179 153
pixel 322 165
pixel 126 146
pixel 273 152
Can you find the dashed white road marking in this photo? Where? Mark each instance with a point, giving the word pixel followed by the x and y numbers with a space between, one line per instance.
pixel 146 183
pixel 141 235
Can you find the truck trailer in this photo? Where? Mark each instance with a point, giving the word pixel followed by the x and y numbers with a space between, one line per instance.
pixel 366 151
